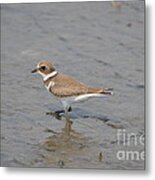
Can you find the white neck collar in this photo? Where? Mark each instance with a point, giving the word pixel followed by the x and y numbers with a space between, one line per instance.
pixel 50 75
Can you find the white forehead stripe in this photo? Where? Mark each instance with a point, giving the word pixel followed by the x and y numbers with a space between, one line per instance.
pixel 50 75
pixel 38 65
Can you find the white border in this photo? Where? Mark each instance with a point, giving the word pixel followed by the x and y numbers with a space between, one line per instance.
pixel 36 1
pixel 41 174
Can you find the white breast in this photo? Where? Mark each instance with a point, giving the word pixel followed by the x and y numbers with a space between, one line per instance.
pixel 50 85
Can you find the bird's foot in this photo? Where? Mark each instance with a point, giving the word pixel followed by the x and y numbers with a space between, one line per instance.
pixel 56 114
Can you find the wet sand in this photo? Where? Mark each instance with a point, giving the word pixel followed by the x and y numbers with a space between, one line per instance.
pixel 99 43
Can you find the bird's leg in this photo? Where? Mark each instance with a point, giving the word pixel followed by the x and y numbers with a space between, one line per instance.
pixel 58 114
pixel 62 111
pixel 59 111
pixel 69 109
pixel 68 121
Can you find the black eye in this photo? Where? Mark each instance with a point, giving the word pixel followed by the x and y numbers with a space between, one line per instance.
pixel 43 68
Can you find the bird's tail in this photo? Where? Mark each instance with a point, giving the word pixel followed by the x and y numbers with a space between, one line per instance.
pixel 106 91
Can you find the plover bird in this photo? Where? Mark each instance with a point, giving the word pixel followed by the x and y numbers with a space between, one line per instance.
pixel 67 89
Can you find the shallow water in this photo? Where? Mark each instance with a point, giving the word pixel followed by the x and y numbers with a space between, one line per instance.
pixel 101 44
